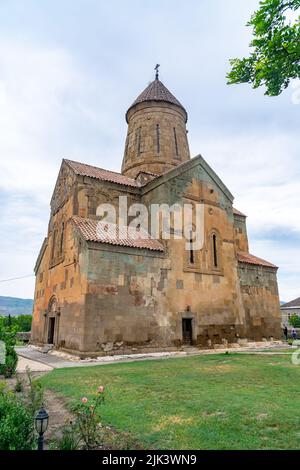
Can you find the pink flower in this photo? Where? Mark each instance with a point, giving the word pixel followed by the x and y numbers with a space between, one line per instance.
pixel 84 400
pixel 101 389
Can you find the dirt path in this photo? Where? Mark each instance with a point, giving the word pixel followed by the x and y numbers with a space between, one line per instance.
pixel 59 415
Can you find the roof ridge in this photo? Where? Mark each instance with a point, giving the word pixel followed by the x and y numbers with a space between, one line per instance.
pixel 85 169
pixel 94 166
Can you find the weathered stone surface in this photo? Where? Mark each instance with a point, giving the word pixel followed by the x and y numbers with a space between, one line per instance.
pixel 95 298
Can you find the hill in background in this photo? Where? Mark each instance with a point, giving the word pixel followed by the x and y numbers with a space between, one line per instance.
pixel 14 306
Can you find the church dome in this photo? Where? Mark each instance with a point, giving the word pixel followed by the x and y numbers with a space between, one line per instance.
pixel 156 136
pixel 156 91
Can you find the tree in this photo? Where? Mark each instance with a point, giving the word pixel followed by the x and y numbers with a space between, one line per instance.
pixel 21 322
pixel 275 60
pixel 295 321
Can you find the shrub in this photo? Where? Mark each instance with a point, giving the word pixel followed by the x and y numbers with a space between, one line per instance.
pixel 16 424
pixel 11 361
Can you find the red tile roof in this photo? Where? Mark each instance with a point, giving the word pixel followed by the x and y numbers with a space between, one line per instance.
pixel 236 212
pixel 99 173
pixel 157 91
pixel 247 258
pixel 104 232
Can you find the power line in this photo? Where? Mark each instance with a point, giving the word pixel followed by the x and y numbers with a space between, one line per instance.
pixel 16 278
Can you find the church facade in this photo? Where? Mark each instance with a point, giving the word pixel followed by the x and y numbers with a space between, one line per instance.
pixel 97 295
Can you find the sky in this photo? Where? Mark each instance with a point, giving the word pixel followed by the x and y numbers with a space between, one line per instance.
pixel 70 69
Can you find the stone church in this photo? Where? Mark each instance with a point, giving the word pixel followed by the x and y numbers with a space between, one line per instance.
pixel 97 296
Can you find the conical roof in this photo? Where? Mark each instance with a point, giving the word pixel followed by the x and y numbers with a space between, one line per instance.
pixel 156 91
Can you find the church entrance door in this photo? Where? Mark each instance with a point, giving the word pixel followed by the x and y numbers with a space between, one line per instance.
pixel 51 330
pixel 187 331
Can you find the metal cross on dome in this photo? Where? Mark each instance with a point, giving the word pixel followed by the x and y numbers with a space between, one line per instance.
pixel 156 69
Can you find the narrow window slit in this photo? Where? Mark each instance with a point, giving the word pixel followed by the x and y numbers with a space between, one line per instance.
pixel 157 138
pixel 215 253
pixel 192 254
pixel 139 140
pixel 62 238
pixel 176 143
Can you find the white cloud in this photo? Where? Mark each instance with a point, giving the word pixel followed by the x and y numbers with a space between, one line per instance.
pixel 45 100
pixel 31 82
pixel 34 85
pixel 49 109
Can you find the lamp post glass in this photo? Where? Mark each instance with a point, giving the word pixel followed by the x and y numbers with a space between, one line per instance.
pixel 41 425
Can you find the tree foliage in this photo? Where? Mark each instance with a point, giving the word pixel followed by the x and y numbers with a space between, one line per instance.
pixel 295 321
pixel 8 336
pixel 275 59
pixel 20 322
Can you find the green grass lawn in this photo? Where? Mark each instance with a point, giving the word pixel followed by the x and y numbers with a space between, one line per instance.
pixel 219 401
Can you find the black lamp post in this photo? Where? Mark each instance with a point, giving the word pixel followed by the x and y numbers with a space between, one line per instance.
pixel 41 425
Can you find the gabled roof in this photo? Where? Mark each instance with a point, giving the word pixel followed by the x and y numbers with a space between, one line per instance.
pixel 188 166
pixel 112 234
pixel 247 258
pixel 99 173
pixel 156 91
pixel 292 304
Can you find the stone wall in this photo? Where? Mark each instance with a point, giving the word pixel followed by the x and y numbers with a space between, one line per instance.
pixel 61 282
pixel 123 301
pixel 139 300
pixel 109 299
pixel 260 300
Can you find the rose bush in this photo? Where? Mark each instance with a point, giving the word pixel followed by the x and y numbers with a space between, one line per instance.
pixel 84 431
